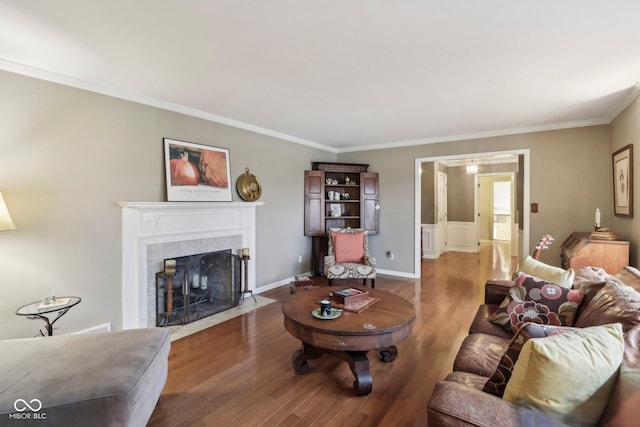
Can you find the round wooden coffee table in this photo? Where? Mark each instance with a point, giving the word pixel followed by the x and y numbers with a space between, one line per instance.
pixel 349 336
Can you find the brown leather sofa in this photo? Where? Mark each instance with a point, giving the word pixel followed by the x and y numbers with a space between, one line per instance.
pixel 459 399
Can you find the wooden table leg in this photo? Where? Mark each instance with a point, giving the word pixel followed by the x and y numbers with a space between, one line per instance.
pixel 357 360
pixel 389 354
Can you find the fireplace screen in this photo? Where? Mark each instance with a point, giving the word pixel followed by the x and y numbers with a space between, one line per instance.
pixel 196 286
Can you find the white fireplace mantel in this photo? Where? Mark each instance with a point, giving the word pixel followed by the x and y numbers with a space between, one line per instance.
pixel 150 223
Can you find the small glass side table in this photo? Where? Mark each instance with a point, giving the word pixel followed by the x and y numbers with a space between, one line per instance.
pixel 37 310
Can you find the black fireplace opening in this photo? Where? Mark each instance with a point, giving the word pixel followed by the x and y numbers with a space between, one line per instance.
pixel 193 287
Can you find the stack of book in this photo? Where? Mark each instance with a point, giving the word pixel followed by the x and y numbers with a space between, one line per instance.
pixel 353 299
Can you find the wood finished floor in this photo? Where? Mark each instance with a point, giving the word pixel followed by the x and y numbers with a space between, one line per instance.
pixel 239 373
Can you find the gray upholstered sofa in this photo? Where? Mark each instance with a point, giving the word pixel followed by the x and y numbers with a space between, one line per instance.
pixel 107 379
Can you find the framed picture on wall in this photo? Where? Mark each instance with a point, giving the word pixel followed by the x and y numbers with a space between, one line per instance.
pixel 623 182
pixel 196 172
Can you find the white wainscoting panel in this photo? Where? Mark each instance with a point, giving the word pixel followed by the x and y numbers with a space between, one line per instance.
pixel 463 237
pixel 430 241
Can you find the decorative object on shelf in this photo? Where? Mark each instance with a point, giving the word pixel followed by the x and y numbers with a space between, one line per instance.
pixel 248 186
pixel 6 223
pixel 335 209
pixel 623 181
pixel 196 172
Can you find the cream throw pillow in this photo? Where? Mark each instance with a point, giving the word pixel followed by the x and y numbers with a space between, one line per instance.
pixel 568 376
pixel 551 274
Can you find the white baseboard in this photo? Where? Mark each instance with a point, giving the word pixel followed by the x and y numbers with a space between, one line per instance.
pixel 288 280
pixel 96 329
pixel 279 283
pixel 397 274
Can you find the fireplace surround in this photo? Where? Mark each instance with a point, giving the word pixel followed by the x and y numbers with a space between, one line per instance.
pixel 155 231
pixel 193 287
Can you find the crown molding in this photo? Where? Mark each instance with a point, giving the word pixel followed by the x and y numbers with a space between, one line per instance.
pixel 152 102
pixel 169 106
pixel 480 135
pixel 631 96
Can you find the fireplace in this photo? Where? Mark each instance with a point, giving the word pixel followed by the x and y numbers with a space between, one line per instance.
pixel 193 287
pixel 155 231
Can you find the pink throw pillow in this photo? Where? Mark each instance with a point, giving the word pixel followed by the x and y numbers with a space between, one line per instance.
pixel 348 247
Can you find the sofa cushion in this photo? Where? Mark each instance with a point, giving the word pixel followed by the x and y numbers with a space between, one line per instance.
pixel 498 381
pixel 551 274
pixel 614 303
pixel 535 300
pixel 479 354
pixel 623 408
pixel 568 376
pixel 472 380
pixel 482 325
pixel 455 404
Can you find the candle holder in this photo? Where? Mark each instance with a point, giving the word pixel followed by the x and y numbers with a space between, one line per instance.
pixel 245 260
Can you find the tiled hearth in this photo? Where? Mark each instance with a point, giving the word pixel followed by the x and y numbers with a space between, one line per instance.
pixel 154 231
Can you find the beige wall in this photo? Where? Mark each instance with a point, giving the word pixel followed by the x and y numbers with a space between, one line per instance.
pixel 570 178
pixel 625 130
pixel 68 157
pixel 460 194
pixel 429 200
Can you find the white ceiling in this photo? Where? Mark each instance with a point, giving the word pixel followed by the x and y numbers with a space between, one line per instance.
pixel 342 74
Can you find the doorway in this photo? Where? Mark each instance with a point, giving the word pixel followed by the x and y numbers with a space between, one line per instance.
pixel 519 230
pixel 496 207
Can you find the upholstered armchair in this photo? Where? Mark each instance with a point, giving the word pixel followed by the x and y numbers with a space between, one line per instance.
pixel 349 257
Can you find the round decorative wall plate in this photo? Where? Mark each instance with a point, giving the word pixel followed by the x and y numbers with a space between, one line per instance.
pixel 249 187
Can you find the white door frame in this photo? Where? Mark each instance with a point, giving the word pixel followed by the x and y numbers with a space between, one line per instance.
pixel 524 244
pixel 443 235
pixel 512 175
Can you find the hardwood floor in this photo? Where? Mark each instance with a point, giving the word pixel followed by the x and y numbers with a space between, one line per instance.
pixel 239 373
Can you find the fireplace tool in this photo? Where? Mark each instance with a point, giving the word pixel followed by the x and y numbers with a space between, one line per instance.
pixel 245 261
pixel 169 272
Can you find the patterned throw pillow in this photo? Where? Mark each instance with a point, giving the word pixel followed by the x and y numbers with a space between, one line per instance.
pixel 498 381
pixel 538 301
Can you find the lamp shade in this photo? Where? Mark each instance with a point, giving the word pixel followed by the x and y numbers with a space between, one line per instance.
pixel 5 219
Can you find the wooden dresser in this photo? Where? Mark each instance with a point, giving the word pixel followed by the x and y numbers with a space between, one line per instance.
pixel 580 250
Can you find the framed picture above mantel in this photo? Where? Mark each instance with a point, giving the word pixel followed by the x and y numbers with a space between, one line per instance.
pixel 623 182
pixel 196 172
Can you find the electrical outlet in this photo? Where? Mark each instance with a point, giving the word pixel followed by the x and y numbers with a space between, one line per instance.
pixel 299 259
pixel 390 255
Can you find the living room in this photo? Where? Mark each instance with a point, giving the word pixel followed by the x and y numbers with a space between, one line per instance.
pixel 73 150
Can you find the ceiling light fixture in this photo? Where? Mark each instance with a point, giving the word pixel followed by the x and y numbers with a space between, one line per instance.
pixel 472 167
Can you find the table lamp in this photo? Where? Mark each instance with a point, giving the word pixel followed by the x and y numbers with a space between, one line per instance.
pixel 6 223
